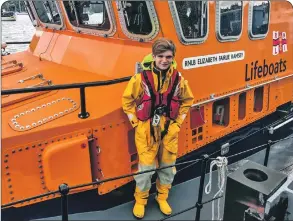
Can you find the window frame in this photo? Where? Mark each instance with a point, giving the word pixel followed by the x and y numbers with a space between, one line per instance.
pixel 250 20
pixel 154 20
pixel 178 26
pixel 218 25
pixel 91 31
pixel 49 25
pixel 31 14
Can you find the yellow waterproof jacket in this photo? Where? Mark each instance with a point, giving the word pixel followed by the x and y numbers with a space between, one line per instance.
pixel 134 91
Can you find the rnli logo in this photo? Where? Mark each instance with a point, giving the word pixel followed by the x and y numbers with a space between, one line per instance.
pixel 279 42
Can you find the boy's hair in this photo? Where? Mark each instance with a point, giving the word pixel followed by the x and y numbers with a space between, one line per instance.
pixel 161 45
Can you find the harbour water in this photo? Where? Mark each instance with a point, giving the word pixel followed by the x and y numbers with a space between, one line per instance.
pixel 19 30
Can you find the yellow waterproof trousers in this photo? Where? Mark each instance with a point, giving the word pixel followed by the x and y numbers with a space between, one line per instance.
pixel 155 152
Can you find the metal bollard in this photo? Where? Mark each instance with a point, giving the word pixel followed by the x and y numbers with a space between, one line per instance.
pixel 199 206
pixel 267 153
pixel 64 190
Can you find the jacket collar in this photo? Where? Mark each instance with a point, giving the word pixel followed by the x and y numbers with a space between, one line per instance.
pixel 157 71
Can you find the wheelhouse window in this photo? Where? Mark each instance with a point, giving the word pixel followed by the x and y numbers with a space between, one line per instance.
pixel 138 19
pixel 191 20
pixel 229 20
pixel 88 14
pixel 48 12
pixel 259 14
pixel 30 13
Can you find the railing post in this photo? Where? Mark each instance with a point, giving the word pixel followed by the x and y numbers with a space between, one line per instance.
pixel 267 153
pixel 83 114
pixel 205 158
pixel 64 190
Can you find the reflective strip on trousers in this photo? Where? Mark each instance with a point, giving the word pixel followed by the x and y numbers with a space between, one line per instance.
pixel 143 181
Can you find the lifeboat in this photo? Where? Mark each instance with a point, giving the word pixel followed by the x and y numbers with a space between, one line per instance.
pixel 62 120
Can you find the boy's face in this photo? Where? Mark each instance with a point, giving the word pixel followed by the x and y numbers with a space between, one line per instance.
pixel 163 60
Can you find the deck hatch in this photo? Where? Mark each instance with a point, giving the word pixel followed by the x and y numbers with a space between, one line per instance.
pixel 42 114
pixel 60 159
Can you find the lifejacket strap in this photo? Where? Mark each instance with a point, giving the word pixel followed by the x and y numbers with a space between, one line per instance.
pixel 152 132
pixel 165 131
pixel 171 94
pixel 153 97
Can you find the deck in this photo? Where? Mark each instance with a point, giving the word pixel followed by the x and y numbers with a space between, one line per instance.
pixel 184 195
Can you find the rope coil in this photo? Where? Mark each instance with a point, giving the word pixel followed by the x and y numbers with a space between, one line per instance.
pixel 221 163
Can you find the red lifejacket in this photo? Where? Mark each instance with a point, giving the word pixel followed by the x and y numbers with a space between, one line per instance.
pixel 152 100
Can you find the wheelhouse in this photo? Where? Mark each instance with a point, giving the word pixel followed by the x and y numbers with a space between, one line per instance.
pixel 139 21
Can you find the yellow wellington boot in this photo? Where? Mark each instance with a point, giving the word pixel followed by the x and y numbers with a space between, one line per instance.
pixel 138 210
pixel 161 198
pixel 141 199
pixel 164 206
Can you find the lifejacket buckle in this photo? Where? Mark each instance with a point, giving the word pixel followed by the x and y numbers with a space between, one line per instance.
pixel 160 110
pixel 156 120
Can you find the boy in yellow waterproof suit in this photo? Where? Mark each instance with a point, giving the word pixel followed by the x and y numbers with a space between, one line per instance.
pixel 152 147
